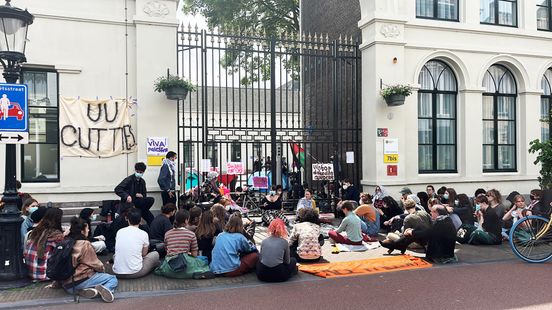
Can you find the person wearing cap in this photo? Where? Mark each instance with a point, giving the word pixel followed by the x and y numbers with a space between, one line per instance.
pixel 133 190
pixel 405 191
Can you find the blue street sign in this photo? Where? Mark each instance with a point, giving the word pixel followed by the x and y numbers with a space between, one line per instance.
pixel 14 108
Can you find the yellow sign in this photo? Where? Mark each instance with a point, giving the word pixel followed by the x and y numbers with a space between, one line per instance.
pixel 155 160
pixel 390 158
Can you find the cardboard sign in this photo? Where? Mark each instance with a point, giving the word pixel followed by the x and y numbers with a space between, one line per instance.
pixel 260 182
pixel 235 168
pixel 157 146
pixel 391 158
pixel 321 172
pixel 392 170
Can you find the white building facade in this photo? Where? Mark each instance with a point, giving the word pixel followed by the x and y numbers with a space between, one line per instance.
pixel 97 49
pixel 481 75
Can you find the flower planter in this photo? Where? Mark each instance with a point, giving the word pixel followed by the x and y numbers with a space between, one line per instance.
pixel 174 93
pixel 395 100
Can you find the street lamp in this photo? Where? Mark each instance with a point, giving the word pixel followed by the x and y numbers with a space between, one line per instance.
pixel 13 37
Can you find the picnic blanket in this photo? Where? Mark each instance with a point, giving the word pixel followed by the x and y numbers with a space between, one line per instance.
pixel 366 266
pixel 357 248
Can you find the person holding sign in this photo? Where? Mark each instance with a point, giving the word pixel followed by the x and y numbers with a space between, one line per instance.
pixel 166 178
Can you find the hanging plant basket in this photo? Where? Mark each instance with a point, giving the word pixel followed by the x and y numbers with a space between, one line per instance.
pixel 176 92
pixel 395 100
pixel 396 94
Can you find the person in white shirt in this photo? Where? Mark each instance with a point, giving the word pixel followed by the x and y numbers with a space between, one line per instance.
pixel 131 258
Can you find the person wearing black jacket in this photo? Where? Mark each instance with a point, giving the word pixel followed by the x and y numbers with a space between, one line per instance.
pixel 489 231
pixel 133 190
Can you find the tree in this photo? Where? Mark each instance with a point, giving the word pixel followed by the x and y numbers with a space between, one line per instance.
pixel 544 157
pixel 259 18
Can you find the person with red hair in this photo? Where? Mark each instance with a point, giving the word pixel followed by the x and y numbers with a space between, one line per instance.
pixel 275 264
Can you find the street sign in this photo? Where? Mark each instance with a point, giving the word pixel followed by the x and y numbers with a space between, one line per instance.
pixel 14 111
pixel 7 137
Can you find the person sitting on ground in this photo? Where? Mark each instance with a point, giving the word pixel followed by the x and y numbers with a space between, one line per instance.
pixel 430 191
pixel 29 206
pixel 495 202
pixel 350 224
pixel 518 210
pixel 195 214
pixel 306 202
pixel 131 258
pixel 405 191
pixel 389 210
pixel 305 240
pixel 206 233
pixel 365 199
pixel 440 236
pixel 423 198
pixel 415 219
pixel 489 230
pixel 133 190
pixel 233 255
pixel 98 242
pixel 41 242
pixel 463 209
pixel 275 264
pixel 162 223
pixel 369 216
pixel 272 201
pixel 182 241
pixel 379 193
pixel 220 216
pixel 89 279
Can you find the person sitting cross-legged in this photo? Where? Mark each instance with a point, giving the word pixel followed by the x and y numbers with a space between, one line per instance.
pixel 305 240
pixel 489 230
pixel 350 224
pixel 131 258
pixel 369 219
pixel 89 279
pixel 233 255
pixel 275 264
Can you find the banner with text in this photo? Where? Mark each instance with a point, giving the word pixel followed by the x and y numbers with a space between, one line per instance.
pixel 95 128
pixel 321 172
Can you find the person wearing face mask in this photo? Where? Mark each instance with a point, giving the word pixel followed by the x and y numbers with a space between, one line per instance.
pixel 166 179
pixel 489 229
pixel 29 206
pixel 97 242
pixel 350 192
pixel 133 190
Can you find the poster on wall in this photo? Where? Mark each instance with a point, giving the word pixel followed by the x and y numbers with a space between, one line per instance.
pixel 95 128
pixel 157 146
pixel 390 146
pixel 322 172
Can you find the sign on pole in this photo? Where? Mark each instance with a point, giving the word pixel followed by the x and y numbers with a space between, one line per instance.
pixel 321 172
pixel 14 122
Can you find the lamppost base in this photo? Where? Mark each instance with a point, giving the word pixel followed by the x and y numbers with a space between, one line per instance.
pixel 5 285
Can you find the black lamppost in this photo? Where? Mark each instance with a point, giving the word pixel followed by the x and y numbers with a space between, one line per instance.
pixel 13 37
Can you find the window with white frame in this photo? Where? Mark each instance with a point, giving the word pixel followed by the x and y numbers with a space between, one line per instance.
pixel 544 11
pixel 40 158
pixel 499 120
pixel 437 118
pixel 546 101
pixel 437 9
pixel 499 12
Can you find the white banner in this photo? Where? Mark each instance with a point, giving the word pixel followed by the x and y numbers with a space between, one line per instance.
pixel 321 172
pixel 95 128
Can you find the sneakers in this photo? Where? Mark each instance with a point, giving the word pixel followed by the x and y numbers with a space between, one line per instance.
pixel 105 294
pixel 88 293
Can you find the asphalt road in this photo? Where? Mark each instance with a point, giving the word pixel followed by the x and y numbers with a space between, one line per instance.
pixel 505 285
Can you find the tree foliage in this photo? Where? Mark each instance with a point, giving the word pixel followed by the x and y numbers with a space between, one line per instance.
pixel 543 149
pixel 260 18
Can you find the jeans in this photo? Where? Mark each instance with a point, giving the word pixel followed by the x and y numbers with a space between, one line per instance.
pixel 167 199
pixel 370 228
pixel 99 278
pixel 481 237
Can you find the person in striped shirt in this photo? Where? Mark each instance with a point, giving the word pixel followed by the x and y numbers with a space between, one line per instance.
pixel 179 239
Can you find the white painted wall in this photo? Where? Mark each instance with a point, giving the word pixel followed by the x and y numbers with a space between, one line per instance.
pixel 85 42
pixel 390 29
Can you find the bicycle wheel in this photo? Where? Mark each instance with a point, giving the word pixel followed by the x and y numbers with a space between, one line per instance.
pixel 530 241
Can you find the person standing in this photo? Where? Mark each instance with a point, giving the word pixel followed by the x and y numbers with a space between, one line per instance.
pixel 166 179
pixel 133 190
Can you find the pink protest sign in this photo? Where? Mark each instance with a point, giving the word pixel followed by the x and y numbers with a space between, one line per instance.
pixel 260 182
pixel 234 168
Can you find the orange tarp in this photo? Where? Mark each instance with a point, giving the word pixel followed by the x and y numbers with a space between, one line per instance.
pixel 367 266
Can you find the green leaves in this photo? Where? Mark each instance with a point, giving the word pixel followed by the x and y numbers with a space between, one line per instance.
pixel 163 83
pixel 398 89
pixel 544 158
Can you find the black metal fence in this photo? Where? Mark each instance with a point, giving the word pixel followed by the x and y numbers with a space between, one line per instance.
pixel 258 97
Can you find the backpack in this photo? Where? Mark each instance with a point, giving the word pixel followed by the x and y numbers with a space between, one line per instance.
pixel 60 264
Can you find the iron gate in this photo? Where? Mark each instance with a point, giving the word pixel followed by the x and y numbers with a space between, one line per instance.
pixel 258 98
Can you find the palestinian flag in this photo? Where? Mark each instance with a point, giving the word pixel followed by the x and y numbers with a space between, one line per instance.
pixel 298 155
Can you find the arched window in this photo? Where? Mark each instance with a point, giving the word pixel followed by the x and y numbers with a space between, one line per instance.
pixel 437 118
pixel 499 120
pixel 546 101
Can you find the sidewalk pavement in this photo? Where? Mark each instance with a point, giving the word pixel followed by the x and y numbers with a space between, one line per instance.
pixel 37 294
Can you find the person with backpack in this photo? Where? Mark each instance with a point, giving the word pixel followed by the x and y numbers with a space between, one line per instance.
pixel 76 266
pixel 41 242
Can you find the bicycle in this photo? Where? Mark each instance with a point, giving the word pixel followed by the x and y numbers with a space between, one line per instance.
pixel 531 238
